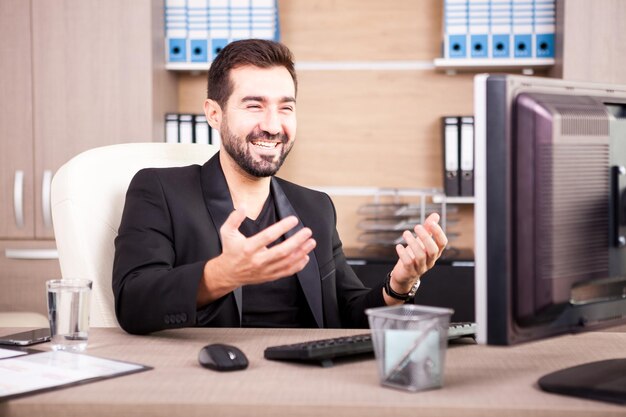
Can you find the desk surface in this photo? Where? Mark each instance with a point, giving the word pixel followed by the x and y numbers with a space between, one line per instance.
pixel 479 380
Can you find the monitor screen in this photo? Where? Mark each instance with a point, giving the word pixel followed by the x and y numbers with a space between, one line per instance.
pixel 550 219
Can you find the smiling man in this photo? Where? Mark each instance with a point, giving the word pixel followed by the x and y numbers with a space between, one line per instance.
pixel 230 244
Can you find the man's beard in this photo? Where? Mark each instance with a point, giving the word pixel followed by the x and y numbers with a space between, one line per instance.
pixel 239 151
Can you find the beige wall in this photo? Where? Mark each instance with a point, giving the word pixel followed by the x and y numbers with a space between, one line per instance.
pixel 591 41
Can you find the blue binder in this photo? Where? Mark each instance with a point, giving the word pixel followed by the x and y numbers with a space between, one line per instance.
pixel 522 28
pixel 175 31
pixel 456 28
pixel 197 30
pixel 544 28
pixel 198 27
pixel 478 19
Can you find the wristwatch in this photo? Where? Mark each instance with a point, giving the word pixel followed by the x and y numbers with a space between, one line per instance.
pixel 404 297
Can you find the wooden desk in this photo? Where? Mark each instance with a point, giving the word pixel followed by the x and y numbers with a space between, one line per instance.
pixel 479 380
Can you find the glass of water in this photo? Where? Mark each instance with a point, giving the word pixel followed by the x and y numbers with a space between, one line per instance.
pixel 68 312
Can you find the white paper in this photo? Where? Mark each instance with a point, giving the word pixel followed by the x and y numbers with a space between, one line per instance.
pixel 50 369
pixel 9 353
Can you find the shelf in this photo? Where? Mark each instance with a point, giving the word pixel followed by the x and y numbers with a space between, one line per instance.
pixel 453 200
pixel 526 66
pixel 409 65
pixel 187 66
pixel 378 191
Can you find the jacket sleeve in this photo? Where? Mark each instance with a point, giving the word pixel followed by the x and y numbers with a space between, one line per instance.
pixel 150 292
pixel 353 297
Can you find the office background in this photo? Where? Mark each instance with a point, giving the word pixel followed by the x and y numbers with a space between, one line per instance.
pixel 77 74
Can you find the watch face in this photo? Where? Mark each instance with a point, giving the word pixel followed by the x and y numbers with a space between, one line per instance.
pixel 414 288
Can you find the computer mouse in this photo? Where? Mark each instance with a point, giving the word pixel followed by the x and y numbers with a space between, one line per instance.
pixel 221 357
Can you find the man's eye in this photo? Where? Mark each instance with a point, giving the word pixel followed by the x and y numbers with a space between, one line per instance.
pixel 254 106
pixel 287 108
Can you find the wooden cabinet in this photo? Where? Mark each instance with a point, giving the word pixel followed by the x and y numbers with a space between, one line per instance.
pixel 24 270
pixel 74 74
pixel 16 121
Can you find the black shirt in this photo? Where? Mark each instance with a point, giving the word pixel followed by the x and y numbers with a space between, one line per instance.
pixel 279 303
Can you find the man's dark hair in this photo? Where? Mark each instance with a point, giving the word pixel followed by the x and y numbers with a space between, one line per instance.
pixel 256 52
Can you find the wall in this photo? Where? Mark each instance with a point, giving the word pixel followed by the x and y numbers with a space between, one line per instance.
pixel 591 41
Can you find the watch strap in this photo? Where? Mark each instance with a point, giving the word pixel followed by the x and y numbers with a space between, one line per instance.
pixel 399 296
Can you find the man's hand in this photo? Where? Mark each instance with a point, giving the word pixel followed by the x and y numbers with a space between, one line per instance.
pixel 418 256
pixel 250 260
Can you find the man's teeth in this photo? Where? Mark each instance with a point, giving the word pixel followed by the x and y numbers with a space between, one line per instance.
pixel 267 145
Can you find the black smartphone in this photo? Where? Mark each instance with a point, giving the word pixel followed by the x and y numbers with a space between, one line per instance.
pixel 27 338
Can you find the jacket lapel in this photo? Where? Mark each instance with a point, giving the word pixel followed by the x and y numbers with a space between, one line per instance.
pixel 219 205
pixel 309 277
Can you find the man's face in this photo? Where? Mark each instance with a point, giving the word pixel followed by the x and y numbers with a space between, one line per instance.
pixel 259 120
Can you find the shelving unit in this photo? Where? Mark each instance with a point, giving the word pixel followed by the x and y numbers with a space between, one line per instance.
pixel 440 198
pixel 526 66
pixel 353 65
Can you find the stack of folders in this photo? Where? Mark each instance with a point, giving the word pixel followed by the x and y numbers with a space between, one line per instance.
pixel 189 128
pixel 196 30
pixel 458 155
pixel 499 29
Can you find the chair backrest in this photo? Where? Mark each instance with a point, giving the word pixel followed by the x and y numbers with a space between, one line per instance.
pixel 88 195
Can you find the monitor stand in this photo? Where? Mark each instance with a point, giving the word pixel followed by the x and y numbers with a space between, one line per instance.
pixel 602 380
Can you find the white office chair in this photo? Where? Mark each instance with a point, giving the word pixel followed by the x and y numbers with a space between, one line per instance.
pixel 88 195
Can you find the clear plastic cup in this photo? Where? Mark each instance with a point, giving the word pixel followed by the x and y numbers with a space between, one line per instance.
pixel 68 312
pixel 410 343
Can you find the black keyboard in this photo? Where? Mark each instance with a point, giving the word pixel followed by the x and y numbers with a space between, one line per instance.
pixel 325 350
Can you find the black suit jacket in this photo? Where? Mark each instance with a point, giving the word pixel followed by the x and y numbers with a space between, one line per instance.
pixel 170 229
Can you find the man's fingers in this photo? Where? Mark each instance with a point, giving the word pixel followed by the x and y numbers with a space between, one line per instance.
pixel 234 220
pixel 289 265
pixel 271 233
pixel 405 255
pixel 438 235
pixel 300 242
pixel 432 218
pixel 430 246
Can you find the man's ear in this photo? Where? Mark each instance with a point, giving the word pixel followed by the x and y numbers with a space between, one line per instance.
pixel 213 113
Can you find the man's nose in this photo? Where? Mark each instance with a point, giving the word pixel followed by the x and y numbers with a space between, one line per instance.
pixel 271 122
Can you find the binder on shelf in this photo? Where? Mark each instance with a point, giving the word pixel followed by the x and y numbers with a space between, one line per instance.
pixel 171 128
pixel 456 29
pixel 197 30
pixel 265 24
pixel 219 29
pixel 500 29
pixel 544 28
pixel 498 33
pixel 175 31
pixel 478 25
pixel 198 26
pixel 201 130
pixel 522 28
pixel 451 156
pixel 185 128
pixel 466 176
pixel 240 19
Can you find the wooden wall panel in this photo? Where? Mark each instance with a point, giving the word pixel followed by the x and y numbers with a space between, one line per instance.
pixel 331 30
pixel 373 128
pixel 597 28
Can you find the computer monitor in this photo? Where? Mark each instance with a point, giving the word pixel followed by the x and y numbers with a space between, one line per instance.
pixel 550 212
